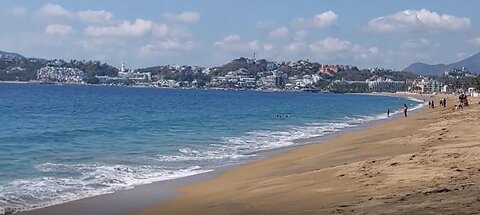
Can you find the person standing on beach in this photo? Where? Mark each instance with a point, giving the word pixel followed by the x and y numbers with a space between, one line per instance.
pixel 388 112
pixel 433 104
pixel 444 102
pixel 405 109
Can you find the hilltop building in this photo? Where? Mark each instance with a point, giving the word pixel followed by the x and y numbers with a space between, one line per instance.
pixel 133 75
pixel 234 79
pixel 324 69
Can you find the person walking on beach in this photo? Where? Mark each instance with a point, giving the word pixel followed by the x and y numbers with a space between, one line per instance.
pixel 405 109
pixel 388 112
pixel 444 102
pixel 433 104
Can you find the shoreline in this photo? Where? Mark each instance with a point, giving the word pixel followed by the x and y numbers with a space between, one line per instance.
pixel 166 189
pixel 391 168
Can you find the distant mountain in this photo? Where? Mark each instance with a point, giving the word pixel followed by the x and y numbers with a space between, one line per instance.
pixel 472 64
pixel 6 56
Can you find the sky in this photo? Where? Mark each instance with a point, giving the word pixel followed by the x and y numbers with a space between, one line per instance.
pixel 143 33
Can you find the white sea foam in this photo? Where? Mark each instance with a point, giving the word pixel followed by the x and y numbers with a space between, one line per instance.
pixel 84 180
pixel 248 145
pixel 241 147
pixel 213 152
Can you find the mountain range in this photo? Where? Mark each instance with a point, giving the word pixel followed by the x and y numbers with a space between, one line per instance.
pixel 471 63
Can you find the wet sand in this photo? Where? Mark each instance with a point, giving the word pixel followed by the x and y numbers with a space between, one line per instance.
pixel 427 163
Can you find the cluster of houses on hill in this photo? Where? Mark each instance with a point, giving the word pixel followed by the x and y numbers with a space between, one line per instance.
pixel 271 79
pixel 60 74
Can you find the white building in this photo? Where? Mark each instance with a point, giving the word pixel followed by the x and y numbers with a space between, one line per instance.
pixel 428 85
pixel 133 75
pixel 168 83
pixel 473 92
pixel 444 89
pixel 387 85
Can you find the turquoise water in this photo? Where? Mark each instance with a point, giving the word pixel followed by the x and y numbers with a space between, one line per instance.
pixel 60 143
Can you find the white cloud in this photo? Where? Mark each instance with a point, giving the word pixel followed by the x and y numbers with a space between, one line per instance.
pixel 254 45
pixel 95 16
pixel 323 20
pixel 102 44
pixel 475 41
pixel 268 47
pixel 146 51
pixel 416 44
pixel 175 46
pixel 160 30
pixel 58 30
pixel 280 32
pixel 228 40
pixel 296 47
pixel 334 48
pixel 329 46
pixel 410 20
pixel 300 35
pixel 187 17
pixel 125 29
pixel 180 31
pixel 85 16
pixel 54 10
pixel 168 47
pixel 19 11
pixel 234 44
pixel 264 25
pixel 363 53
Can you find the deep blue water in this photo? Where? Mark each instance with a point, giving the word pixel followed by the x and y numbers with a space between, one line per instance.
pixel 59 143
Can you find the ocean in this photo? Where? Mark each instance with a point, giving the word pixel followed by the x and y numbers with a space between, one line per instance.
pixel 62 143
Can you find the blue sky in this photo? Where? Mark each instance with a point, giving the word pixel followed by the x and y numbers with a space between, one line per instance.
pixel 143 33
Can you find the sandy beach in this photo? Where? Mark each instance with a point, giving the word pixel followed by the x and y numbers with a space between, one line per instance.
pixel 427 163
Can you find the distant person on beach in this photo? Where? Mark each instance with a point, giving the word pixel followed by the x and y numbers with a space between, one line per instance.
pixel 463 100
pixel 429 104
pixel 405 109
pixel 444 102
pixel 388 112
pixel 441 102
pixel 433 104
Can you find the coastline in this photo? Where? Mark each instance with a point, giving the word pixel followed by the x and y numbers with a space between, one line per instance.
pixel 127 201
pixel 405 165
pixel 17 82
